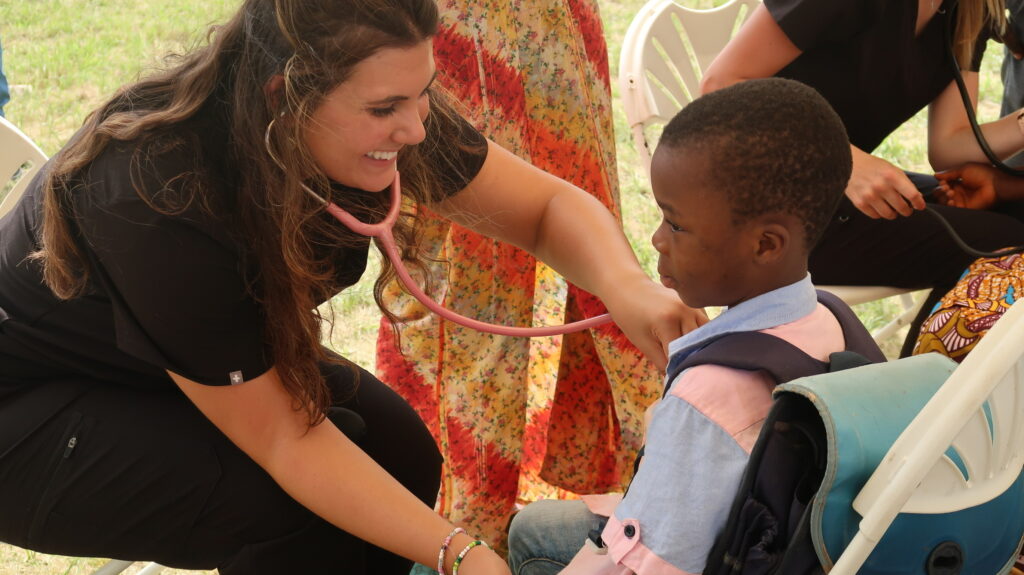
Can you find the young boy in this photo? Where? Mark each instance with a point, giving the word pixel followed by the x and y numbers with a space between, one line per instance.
pixel 747 179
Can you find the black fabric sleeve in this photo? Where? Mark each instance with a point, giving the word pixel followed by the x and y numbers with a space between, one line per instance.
pixel 175 281
pixel 811 23
pixel 979 50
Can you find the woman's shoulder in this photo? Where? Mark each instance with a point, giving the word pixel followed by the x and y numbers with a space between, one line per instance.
pixel 167 171
pixel 810 22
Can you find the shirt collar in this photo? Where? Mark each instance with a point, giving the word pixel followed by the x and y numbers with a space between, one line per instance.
pixel 784 305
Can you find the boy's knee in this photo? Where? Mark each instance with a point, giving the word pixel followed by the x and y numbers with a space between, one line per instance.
pixel 546 534
pixel 536 521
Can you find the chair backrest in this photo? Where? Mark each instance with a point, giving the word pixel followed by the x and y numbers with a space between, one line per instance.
pixel 20 159
pixel 664 54
pixel 962 450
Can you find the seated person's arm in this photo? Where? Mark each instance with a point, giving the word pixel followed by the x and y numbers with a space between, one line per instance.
pixel 759 50
pixel 951 142
pixel 978 186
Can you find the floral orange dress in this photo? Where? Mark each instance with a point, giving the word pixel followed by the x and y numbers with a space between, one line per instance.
pixel 519 419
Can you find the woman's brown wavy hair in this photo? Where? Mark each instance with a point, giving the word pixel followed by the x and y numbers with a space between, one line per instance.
pixel 314 45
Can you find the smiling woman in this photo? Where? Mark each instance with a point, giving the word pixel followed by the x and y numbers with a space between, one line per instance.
pixel 360 127
pixel 157 282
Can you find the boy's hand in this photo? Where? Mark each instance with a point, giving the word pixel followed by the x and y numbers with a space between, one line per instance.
pixel 971 186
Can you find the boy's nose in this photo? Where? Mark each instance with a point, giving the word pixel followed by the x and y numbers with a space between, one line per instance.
pixel 658 239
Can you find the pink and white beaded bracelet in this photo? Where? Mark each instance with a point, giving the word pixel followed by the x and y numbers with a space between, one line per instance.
pixel 444 549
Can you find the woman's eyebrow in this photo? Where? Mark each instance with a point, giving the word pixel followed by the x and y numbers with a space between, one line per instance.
pixel 399 98
pixel 431 82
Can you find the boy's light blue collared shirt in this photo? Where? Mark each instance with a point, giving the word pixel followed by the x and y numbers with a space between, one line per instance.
pixel 780 306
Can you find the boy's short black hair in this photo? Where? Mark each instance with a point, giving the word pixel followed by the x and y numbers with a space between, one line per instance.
pixel 772 145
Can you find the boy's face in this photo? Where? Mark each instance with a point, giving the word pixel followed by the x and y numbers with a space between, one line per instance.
pixel 703 255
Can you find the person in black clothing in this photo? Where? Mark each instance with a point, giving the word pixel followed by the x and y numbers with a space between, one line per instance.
pixel 879 62
pixel 163 391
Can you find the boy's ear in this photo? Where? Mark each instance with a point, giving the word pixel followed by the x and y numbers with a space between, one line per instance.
pixel 274 90
pixel 774 241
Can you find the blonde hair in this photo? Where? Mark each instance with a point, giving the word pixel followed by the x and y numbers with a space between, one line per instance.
pixel 973 16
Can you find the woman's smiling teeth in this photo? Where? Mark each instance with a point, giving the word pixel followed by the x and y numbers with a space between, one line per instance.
pixel 383 155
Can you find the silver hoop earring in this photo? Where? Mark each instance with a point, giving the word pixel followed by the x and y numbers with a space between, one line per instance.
pixel 266 144
pixel 273 156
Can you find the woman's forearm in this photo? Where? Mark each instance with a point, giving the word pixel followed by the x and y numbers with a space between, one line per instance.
pixel 1004 138
pixel 560 224
pixel 333 478
pixel 582 240
pixel 951 141
pixel 328 474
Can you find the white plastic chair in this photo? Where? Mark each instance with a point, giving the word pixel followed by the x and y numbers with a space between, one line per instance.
pixel 978 413
pixel 20 159
pixel 664 54
pixel 115 566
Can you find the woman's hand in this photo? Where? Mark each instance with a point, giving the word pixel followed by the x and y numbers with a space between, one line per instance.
pixel 880 189
pixel 971 186
pixel 651 316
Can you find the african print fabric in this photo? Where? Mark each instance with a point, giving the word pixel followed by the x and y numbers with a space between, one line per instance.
pixel 515 417
pixel 987 289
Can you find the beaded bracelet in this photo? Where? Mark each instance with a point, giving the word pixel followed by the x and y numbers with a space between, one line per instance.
pixel 462 555
pixel 444 549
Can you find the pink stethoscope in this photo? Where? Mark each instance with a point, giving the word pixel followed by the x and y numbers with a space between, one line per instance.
pixel 382 231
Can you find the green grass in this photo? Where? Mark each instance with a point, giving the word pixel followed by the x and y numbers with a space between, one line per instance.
pixel 64 57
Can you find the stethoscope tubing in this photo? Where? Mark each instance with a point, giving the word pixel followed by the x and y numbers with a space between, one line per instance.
pixel 382 232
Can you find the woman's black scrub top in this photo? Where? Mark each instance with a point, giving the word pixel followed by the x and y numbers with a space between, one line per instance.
pixel 863 56
pixel 166 291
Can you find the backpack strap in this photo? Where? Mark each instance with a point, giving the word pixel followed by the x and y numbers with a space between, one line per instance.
pixel 858 339
pixel 753 351
pixel 783 361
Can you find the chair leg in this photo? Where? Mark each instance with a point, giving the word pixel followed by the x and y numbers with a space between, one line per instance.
pixel 854 555
pixel 911 306
pixel 113 567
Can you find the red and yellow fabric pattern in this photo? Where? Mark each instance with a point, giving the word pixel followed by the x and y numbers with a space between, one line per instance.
pixel 514 417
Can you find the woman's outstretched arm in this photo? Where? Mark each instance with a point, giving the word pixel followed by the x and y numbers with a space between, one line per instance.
pixel 570 230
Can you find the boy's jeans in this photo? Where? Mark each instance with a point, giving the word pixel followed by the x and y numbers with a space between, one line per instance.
pixel 547 534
